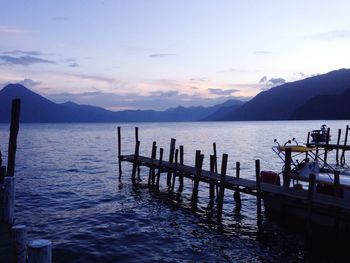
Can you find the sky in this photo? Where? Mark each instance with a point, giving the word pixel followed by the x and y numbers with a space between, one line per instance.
pixel 157 54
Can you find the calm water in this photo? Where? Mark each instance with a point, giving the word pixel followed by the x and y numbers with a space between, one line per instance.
pixel 67 191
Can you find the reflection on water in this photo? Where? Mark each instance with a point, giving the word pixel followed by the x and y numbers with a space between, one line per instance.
pixel 67 191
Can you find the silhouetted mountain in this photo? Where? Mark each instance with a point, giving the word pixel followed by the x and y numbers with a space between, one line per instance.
pixel 279 103
pixel 224 111
pixel 326 107
pixel 35 108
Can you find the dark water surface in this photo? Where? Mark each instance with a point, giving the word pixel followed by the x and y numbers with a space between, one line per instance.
pixel 67 190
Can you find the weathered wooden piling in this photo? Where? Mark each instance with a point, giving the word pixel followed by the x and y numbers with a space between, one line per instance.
pixel 327 143
pixel 40 251
pixel 342 158
pixel 198 166
pixel 19 243
pixel 237 194
pixel 119 152
pixel 258 194
pixel 137 140
pixel 175 170
pixel 287 167
pixel 16 105
pixel 9 199
pixel 136 161
pixel 153 157
pixel 212 183
pixel 161 151
pixel 222 185
pixel 2 174
pixel 338 143
pixel 171 159
pixel 181 178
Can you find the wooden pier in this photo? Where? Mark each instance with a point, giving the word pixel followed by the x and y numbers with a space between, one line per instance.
pixel 219 181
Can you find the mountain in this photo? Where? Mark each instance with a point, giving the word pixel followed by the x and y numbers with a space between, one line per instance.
pixel 36 108
pixel 280 103
pixel 326 107
pixel 224 111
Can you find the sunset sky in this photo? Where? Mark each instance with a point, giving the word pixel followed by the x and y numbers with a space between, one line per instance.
pixel 160 54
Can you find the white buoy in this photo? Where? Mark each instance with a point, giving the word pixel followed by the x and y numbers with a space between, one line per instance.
pixel 19 243
pixel 39 251
pixel 9 199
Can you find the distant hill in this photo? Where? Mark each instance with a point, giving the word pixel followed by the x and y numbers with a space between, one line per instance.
pixel 280 103
pixel 36 108
pixel 326 107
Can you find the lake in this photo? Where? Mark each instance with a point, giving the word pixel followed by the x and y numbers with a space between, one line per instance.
pixel 67 190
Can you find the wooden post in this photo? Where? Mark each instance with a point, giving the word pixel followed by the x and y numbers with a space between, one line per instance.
pixel 40 251
pixel 135 163
pixel 136 140
pixel 342 158
pixel 199 163
pixel 237 194
pixel 119 152
pixel 16 105
pixel 19 243
pixel 160 167
pixel 171 159
pixel 327 143
pixel 9 199
pixel 216 166
pixel 151 169
pixel 287 167
pixel 307 144
pixel 212 185
pixel 222 185
pixel 175 170
pixel 181 178
pixel 258 194
pixel 338 143
pixel 336 183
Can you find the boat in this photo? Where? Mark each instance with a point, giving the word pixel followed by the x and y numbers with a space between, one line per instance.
pixel 321 135
pixel 319 187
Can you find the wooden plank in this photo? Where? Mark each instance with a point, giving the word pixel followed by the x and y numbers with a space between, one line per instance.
pixel 175 170
pixel 135 162
pixel 212 185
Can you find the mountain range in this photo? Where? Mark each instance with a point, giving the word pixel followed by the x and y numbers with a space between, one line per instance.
pixel 35 109
pixel 323 96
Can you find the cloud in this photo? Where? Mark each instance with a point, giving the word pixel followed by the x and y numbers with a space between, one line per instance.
pixel 222 92
pixel 23 52
pixel 162 55
pixel 263 79
pixel 165 93
pixel 60 18
pixel 24 60
pixel 10 30
pixel 29 83
pixel 73 65
pixel 331 35
pixel 262 52
pixel 94 78
pixel 276 81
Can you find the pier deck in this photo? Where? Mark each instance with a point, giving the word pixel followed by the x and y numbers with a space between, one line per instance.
pixel 246 186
